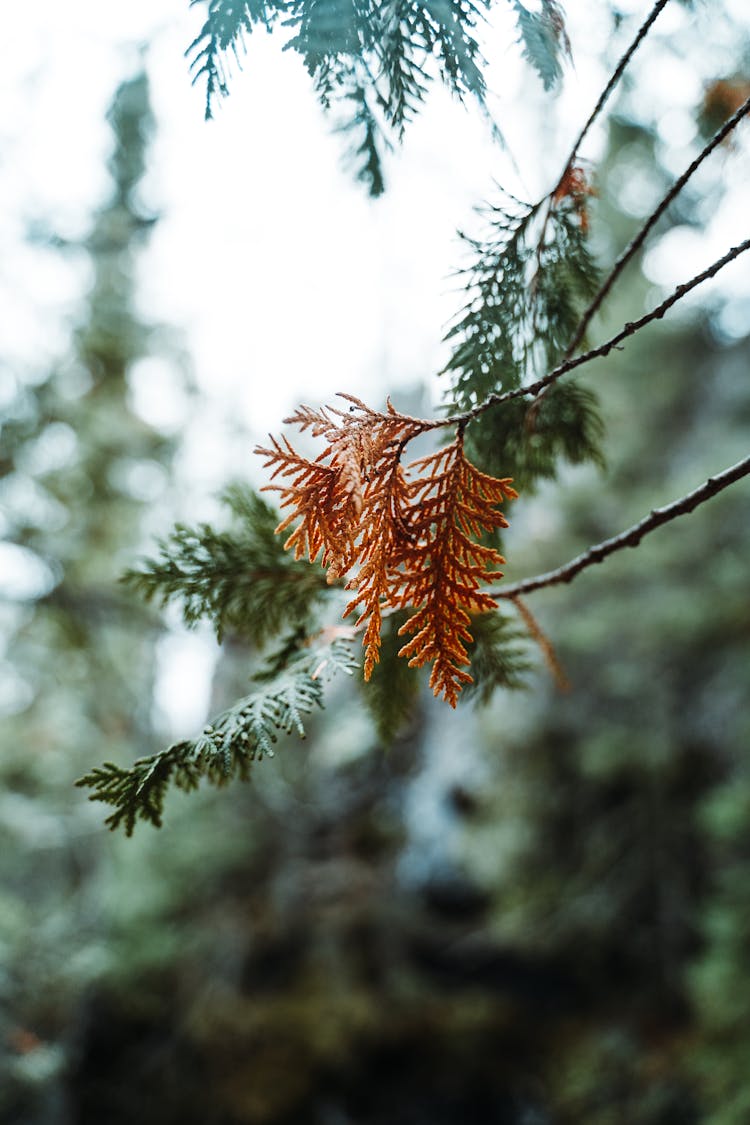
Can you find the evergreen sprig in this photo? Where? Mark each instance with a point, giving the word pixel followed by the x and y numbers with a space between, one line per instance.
pixel 490 343
pixel 372 61
pixel 223 33
pixel 240 579
pixel 227 748
pixel 393 689
pixel 529 440
pixel 527 284
pixel 530 278
pixel 498 659
pixel 405 76
pixel 360 119
pixel 545 42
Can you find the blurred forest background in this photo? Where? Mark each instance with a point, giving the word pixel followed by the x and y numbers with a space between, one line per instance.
pixel 528 913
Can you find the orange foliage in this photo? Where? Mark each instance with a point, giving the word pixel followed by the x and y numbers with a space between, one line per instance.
pixel 454 505
pixel 721 99
pixel 575 187
pixel 403 542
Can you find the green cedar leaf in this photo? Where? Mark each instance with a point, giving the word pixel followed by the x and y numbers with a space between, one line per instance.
pixel 402 55
pixel 368 140
pixel 526 440
pixel 527 284
pixel 448 26
pixel 379 54
pixel 544 39
pixel 226 24
pixel 226 748
pixel 393 689
pixel 241 579
pixel 329 30
pixel 497 660
pixel 489 336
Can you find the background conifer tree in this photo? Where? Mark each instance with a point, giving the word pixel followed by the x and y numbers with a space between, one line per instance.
pixel 80 471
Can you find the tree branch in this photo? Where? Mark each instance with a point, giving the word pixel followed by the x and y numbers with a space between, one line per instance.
pixel 603 349
pixel 616 76
pixel 640 238
pixel 629 538
pixel 614 79
pixel 546 647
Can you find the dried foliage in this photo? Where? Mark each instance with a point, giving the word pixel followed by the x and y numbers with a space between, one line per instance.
pixel 402 539
pixel 575 187
pixel 454 505
pixel 358 468
pixel 722 98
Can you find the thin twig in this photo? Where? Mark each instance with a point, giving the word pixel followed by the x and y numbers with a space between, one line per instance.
pixel 629 329
pixel 551 658
pixel 614 79
pixel 629 538
pixel 640 238
pixel 616 76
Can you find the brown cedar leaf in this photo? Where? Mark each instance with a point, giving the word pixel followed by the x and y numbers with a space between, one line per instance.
pixel 386 537
pixel 721 99
pixel 453 505
pixel 328 516
pixel 416 542
pixel 575 188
